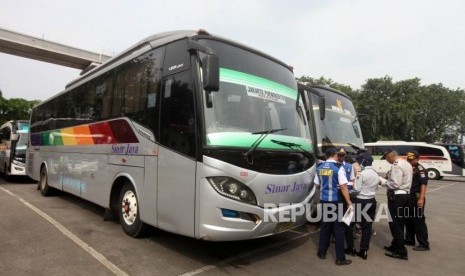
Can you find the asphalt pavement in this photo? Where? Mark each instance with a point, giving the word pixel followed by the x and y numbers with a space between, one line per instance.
pixel 64 235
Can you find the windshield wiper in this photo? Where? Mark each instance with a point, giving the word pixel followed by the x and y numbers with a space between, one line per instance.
pixel 257 142
pixel 292 146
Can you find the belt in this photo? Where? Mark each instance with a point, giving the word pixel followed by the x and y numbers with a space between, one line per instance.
pixel 400 192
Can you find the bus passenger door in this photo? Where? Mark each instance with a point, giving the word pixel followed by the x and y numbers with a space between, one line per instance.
pixel 176 156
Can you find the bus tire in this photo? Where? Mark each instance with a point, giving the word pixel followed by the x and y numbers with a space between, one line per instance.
pixel 433 174
pixel 129 215
pixel 45 190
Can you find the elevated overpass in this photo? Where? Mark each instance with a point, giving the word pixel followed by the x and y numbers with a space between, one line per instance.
pixel 26 46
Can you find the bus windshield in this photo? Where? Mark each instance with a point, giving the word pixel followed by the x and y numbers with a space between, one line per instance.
pixel 256 95
pixel 340 126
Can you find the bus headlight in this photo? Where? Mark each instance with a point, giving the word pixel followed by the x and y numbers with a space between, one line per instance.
pixel 233 189
pixel 17 163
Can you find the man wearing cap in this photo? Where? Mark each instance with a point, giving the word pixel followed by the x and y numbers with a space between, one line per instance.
pixel 331 179
pixel 398 183
pixel 366 183
pixel 416 225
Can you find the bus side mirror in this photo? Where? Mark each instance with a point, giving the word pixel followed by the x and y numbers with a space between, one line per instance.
pixel 14 137
pixel 211 73
pixel 322 104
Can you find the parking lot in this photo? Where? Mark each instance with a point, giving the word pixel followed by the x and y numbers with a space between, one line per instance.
pixel 64 235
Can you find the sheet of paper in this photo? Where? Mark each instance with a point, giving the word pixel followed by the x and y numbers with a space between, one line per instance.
pixel 347 218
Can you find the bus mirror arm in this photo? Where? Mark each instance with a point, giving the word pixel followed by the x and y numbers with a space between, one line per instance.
pixel 211 73
pixel 354 126
pixel 210 66
pixel 321 104
pixel 299 108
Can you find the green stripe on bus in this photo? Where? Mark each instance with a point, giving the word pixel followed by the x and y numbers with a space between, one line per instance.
pixel 232 76
pixel 245 140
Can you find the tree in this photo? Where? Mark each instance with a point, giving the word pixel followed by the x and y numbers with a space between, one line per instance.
pixel 16 109
pixel 405 110
pixel 437 112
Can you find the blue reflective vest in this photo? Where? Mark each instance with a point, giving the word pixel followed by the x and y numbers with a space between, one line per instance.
pixel 329 181
pixel 348 168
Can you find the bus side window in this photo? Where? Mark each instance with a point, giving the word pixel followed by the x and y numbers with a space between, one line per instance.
pixel 177 119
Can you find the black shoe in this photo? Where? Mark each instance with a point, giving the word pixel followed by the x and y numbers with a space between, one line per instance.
pixel 396 255
pixel 389 248
pixel 350 251
pixel 343 262
pixel 409 242
pixel 421 248
pixel 363 254
pixel 321 255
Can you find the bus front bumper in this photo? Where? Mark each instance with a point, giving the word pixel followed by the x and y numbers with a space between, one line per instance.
pixel 223 219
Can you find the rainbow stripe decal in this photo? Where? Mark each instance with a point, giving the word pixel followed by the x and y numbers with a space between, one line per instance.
pixel 109 132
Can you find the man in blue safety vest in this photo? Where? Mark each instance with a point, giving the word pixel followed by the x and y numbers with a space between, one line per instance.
pixel 331 179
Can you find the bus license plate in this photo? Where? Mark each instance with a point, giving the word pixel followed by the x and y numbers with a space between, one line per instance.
pixel 283 226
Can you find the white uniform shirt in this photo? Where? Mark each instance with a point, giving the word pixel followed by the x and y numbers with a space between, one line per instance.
pixel 400 176
pixel 367 183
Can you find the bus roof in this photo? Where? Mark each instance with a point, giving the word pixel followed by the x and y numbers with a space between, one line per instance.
pixel 149 43
pixel 160 39
pixel 313 87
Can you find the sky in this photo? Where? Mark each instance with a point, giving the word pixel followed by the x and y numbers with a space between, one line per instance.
pixel 348 41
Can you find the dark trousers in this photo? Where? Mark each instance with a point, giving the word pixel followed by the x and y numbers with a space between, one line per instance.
pixel 365 222
pixel 398 206
pixel 328 227
pixel 416 224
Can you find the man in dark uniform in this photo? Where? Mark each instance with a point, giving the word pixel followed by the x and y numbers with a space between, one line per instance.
pixel 331 179
pixel 416 225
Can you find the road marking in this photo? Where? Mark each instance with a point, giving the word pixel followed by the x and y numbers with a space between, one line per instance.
pixel 94 253
pixel 441 187
pixel 247 254
pixel 259 250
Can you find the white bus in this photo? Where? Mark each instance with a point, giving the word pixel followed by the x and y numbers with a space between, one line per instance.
pixel 333 118
pixel 13 142
pixel 186 131
pixel 434 158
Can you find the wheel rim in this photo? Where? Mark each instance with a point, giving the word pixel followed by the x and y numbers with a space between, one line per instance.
pixel 129 207
pixel 432 174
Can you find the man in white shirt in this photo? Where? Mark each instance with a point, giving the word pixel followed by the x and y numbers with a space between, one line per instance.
pixel 398 183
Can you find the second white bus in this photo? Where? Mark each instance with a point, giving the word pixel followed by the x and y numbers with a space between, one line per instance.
pixel 436 159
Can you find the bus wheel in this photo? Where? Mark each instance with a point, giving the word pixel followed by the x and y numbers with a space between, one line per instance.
pixel 433 174
pixel 129 216
pixel 45 190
